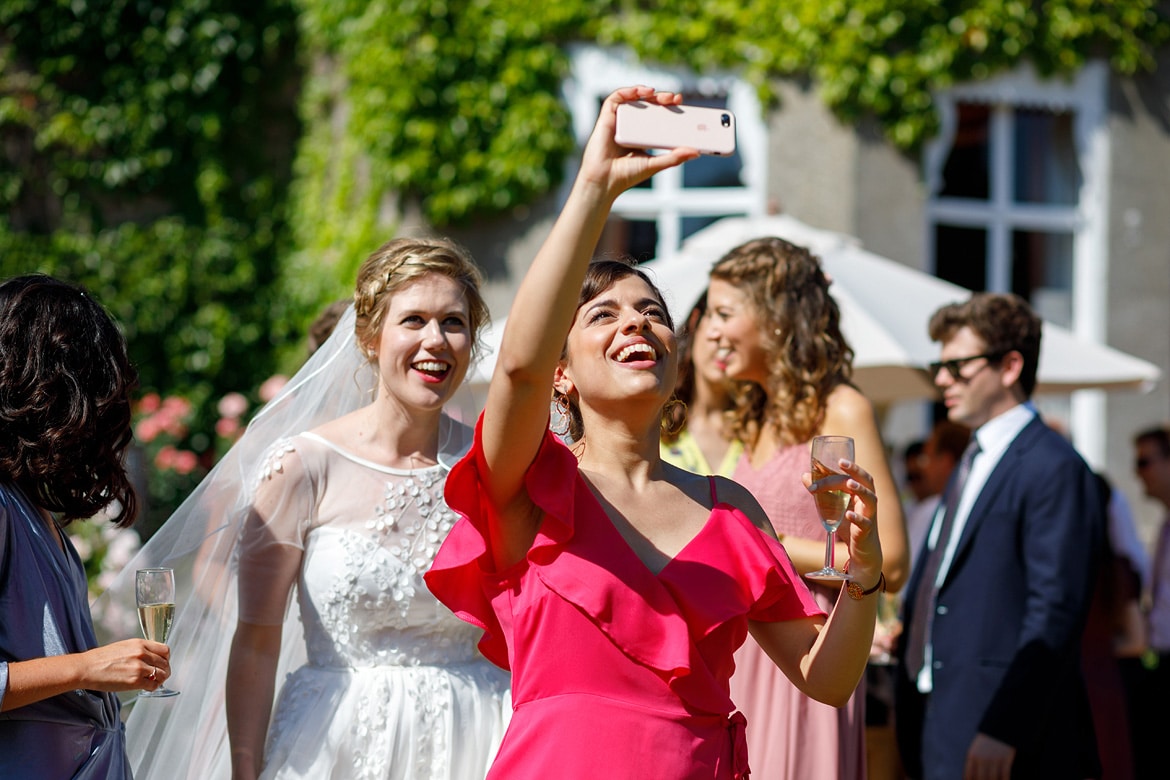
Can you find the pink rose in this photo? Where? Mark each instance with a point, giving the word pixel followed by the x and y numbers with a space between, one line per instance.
pixel 185 461
pixel 272 386
pixel 232 405
pixel 147 429
pixel 149 403
pixel 227 427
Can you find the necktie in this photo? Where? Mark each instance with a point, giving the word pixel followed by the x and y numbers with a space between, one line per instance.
pixel 924 597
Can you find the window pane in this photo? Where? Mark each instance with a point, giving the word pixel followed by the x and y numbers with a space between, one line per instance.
pixel 961 256
pixel 628 238
pixel 711 171
pixel 1045 158
pixel 966 170
pixel 1042 269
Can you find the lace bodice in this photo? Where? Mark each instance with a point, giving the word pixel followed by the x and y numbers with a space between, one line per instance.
pixel 369 533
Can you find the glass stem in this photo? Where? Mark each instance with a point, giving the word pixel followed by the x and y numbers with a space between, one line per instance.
pixel 830 549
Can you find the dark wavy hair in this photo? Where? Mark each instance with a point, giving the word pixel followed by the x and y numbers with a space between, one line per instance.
pixel 800 323
pixel 65 385
pixel 599 277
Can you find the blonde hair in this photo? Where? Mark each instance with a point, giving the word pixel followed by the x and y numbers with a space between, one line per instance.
pixel 800 324
pixel 401 261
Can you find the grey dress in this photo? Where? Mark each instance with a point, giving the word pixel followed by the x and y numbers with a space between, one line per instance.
pixel 44 611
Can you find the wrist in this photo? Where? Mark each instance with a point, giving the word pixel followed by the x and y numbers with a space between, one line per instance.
pixel 593 191
pixel 77 670
pixel 864 583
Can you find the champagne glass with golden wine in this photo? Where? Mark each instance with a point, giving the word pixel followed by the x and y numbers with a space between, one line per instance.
pixel 154 591
pixel 831 504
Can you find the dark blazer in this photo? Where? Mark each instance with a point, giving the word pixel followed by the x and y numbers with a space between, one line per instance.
pixel 1008 622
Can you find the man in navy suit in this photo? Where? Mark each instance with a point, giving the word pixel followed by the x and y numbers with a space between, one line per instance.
pixel 989 682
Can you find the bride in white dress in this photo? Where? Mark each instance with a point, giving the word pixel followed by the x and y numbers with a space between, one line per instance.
pixel 342 508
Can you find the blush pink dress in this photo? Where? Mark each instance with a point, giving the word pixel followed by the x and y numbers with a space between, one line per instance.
pixel 790 736
pixel 616 672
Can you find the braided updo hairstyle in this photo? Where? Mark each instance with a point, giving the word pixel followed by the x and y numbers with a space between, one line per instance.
pixel 401 261
pixel 65 385
pixel 801 329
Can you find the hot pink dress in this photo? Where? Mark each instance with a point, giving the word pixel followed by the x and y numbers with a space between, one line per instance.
pixel 790 736
pixel 616 672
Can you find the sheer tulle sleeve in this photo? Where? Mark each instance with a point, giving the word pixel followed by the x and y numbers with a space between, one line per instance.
pixel 272 539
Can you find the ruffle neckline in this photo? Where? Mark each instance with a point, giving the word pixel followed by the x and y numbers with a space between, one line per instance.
pixel 599 573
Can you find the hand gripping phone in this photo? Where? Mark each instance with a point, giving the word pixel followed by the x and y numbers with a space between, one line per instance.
pixel 643 125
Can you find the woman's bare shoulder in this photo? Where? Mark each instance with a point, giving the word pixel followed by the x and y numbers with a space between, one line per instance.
pixel 846 409
pixel 730 492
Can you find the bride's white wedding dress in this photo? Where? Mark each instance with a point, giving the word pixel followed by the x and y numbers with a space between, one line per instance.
pixel 393 687
pixel 375 678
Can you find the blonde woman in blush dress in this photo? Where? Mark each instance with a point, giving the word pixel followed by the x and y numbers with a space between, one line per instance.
pixel 775 327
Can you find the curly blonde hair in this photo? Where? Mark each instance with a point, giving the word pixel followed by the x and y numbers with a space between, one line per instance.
pixel 801 327
pixel 401 261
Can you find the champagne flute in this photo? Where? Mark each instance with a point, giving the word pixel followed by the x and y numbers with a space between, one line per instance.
pixel 154 591
pixel 831 504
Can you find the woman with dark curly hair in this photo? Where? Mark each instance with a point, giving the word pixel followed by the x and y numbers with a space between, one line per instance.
pixel 777 330
pixel 65 384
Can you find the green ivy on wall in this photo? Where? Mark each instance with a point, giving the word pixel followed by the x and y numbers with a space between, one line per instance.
pixel 884 59
pixel 454 104
pixel 147 153
pixel 451 106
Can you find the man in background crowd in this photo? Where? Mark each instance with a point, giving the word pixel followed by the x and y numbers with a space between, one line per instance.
pixel 1152 687
pixel 990 683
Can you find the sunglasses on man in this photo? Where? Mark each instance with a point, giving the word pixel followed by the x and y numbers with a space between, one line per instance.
pixel 955 365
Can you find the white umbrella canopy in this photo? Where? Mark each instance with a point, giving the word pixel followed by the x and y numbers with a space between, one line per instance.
pixel 885 307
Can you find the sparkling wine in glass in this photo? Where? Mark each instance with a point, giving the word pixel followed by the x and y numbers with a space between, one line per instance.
pixel 831 504
pixel 154 591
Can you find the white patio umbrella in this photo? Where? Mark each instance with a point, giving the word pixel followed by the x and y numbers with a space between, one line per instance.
pixel 885 308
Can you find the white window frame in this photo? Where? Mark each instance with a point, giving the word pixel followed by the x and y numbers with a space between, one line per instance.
pixel 1085 96
pixel 596 71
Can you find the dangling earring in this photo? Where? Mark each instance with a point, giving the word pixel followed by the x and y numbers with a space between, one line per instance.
pixel 670 425
pixel 563 414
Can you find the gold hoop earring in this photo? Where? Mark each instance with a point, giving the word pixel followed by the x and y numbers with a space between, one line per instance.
pixel 563 413
pixel 670 425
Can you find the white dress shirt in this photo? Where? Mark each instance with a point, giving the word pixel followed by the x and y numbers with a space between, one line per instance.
pixel 994 437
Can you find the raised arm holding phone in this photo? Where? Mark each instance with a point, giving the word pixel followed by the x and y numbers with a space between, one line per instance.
pixel 615 586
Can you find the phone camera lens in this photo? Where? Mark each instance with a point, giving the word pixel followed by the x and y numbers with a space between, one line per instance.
pixel 725 119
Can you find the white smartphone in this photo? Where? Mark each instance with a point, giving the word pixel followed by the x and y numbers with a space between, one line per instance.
pixel 643 125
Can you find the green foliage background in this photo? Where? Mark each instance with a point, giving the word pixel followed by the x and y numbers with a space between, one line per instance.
pixel 147 153
pixel 215 170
